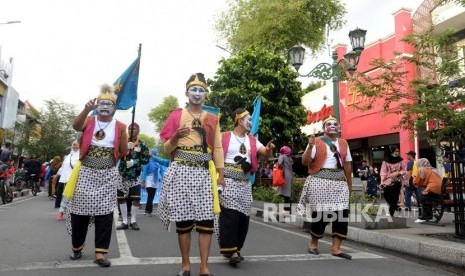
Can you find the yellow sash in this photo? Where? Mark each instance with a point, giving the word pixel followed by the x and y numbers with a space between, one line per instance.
pixel 70 187
pixel 214 176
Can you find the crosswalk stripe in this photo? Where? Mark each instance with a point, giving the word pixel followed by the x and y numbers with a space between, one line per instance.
pixel 127 261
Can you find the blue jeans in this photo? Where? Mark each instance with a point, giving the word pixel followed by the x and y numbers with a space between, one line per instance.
pixel 408 195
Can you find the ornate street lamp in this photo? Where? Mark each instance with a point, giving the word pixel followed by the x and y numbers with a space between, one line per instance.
pixel 327 71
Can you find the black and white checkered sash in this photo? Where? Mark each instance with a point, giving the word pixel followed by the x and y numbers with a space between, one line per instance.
pixel 332 174
pixel 192 156
pixel 235 172
pixel 99 158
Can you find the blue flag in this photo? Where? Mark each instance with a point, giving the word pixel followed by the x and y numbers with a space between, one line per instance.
pixel 257 106
pixel 126 86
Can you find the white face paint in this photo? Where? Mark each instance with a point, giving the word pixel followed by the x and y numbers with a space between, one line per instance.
pixel 75 146
pixel 105 108
pixel 332 127
pixel 247 122
pixel 196 94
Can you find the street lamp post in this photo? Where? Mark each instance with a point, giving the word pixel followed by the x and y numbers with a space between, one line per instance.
pixel 326 71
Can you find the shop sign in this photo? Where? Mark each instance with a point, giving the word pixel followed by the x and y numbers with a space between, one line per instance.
pixel 313 117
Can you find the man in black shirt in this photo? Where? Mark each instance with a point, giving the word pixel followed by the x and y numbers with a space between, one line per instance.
pixel 5 154
pixel 33 167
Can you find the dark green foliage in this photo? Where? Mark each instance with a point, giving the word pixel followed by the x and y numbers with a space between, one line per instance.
pixel 241 78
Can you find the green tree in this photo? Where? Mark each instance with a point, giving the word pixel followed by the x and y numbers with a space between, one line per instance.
pixel 240 79
pixel 431 97
pixel 159 114
pixel 148 140
pixel 314 86
pixel 52 133
pixel 277 25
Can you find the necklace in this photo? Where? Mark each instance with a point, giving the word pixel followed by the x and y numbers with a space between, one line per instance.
pixel 196 122
pixel 100 134
pixel 242 149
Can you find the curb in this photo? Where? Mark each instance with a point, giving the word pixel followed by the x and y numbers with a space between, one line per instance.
pixel 429 248
pixel 21 193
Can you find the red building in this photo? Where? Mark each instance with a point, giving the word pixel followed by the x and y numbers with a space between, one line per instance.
pixel 369 132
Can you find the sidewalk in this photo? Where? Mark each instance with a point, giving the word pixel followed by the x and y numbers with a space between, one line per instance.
pixel 430 241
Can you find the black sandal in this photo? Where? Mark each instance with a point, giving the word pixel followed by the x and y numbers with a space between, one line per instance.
pixel 343 255
pixel 314 251
pixel 233 261
pixel 102 262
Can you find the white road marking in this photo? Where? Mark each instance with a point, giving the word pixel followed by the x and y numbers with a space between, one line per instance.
pixel 126 258
pixel 125 261
pixel 123 245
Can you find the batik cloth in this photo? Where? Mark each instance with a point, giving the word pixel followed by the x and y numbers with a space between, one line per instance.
pixel 186 193
pixel 325 190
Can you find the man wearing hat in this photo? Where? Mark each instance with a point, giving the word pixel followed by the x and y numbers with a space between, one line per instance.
pixel 241 151
pixel 327 188
pixel 103 142
pixel 130 171
pixel 189 195
pixel 408 184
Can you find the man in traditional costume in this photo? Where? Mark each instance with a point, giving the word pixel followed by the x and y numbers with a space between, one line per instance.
pixel 130 171
pixel 327 188
pixel 192 137
pixel 240 156
pixel 104 141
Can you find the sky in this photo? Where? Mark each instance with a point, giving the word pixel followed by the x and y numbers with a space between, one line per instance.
pixel 65 49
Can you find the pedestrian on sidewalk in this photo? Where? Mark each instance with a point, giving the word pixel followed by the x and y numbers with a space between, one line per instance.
pixel 69 162
pixel 393 171
pixel 151 177
pixel 192 137
pixel 429 181
pixel 327 188
pixel 240 157
pixel 372 181
pixel 130 185
pixel 285 162
pixel 363 174
pixel 104 141
pixel 410 189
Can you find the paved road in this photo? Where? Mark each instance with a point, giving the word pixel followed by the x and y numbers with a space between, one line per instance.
pixel 34 243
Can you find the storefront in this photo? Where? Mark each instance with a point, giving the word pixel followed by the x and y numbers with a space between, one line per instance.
pixel 368 132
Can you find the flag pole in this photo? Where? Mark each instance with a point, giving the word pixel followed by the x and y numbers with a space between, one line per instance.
pixel 134 107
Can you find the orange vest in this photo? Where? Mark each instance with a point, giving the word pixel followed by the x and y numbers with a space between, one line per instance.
pixel 321 152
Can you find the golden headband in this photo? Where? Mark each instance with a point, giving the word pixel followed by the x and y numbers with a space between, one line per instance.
pixel 240 116
pixel 196 81
pixel 106 93
pixel 330 118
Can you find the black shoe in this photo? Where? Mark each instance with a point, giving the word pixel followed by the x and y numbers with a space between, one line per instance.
pixel 123 226
pixel 184 273
pixel 240 256
pixel 233 261
pixel 75 255
pixel 134 226
pixel 103 262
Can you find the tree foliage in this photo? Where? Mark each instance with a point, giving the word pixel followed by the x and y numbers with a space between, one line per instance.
pixel 148 140
pixel 431 97
pixel 159 114
pixel 52 134
pixel 240 79
pixel 314 86
pixel 277 25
